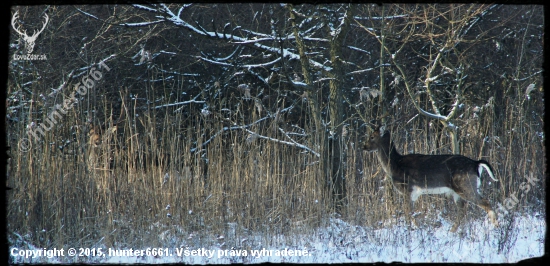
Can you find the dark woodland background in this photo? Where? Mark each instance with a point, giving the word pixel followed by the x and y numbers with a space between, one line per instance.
pixel 231 119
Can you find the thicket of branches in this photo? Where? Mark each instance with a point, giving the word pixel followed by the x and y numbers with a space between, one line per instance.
pixel 259 110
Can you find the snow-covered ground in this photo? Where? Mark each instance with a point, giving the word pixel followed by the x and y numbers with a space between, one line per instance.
pixel 477 242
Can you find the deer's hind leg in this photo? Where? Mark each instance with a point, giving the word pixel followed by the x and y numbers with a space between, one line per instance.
pixel 468 189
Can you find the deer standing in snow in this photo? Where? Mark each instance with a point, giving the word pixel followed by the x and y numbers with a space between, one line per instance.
pixel 417 174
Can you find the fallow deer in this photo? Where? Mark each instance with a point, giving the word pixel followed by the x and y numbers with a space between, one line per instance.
pixel 417 174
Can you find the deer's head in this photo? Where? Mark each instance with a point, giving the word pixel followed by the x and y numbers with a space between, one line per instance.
pixel 376 141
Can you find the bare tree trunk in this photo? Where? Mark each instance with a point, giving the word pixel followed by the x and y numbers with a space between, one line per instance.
pixel 336 142
pixel 304 62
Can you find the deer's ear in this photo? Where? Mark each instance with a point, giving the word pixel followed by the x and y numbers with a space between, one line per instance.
pixel 387 132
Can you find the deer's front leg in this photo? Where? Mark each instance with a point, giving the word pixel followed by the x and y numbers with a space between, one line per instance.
pixel 461 212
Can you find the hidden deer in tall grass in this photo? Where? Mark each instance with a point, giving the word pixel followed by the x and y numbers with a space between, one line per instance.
pixel 417 174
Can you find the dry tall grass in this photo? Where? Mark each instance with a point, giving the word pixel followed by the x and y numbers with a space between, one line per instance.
pixel 151 182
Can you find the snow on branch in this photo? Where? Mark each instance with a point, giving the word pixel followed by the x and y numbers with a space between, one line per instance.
pixel 145 8
pixel 293 144
pixel 72 75
pixel 60 88
pixel 454 109
pixel 141 24
pixel 254 40
pixel 214 61
pixel 227 57
pixel 381 18
pixel 87 14
pixel 360 71
pixel 263 35
pixel 313 39
pixel 258 76
pixel 256 135
pixel 296 144
pixel 263 64
pixel 84 70
pixel 528 77
pixel 168 15
pixel 182 8
pixel 431 79
pixel 476 19
pixel 204 144
pixel 359 49
pixel 179 103
pixel 430 115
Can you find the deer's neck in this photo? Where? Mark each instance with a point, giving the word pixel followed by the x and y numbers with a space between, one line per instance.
pixel 388 157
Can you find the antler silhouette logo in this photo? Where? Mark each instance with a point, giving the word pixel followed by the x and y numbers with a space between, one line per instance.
pixel 29 40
